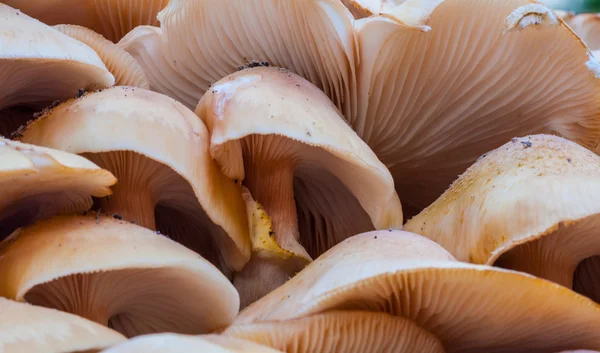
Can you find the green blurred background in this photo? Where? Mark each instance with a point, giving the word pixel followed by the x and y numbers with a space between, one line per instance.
pixel 574 5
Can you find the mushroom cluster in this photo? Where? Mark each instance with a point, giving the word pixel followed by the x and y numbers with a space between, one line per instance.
pixel 298 176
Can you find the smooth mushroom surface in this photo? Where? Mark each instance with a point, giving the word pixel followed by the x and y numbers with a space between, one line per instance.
pixel 532 205
pixel 175 343
pixel 124 67
pixel 38 182
pixel 288 144
pixel 39 65
pixel 25 328
pixel 341 332
pixel 159 151
pixel 468 307
pixel 452 82
pixel 587 27
pixel 111 18
pixel 117 274
pixel 202 41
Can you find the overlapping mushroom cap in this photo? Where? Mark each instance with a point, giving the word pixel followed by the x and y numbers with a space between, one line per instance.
pixel 38 182
pixel 470 308
pixel 39 65
pixel 25 328
pixel 159 152
pixel 111 18
pixel 173 343
pixel 284 139
pixel 531 205
pixel 429 85
pixel 587 27
pixel 117 274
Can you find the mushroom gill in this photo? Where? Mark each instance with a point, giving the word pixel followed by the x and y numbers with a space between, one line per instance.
pixel 158 150
pixel 117 274
pixel 288 144
pixel 530 205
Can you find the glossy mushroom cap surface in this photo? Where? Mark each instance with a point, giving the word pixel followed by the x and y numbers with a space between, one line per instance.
pixel 38 182
pixel 173 343
pixel 403 274
pixel 124 67
pixel 159 152
pixel 117 274
pixel 288 144
pixel 25 328
pixel 530 205
pixel 111 18
pixel 39 65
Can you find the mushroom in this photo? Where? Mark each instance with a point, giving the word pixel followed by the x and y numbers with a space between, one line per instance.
pixel 111 18
pixel 565 14
pixel 467 306
pixel 439 86
pixel 25 328
pixel 39 65
pixel 159 152
pixel 202 41
pixel 124 67
pixel 117 274
pixel 531 205
pixel 288 144
pixel 37 183
pixel 175 343
pixel 342 332
pixel 587 27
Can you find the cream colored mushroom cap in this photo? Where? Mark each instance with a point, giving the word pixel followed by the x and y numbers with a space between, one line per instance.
pixel 38 182
pixel 25 328
pixel 404 274
pixel 38 63
pixel 161 129
pixel 515 194
pixel 124 67
pixel 173 343
pixel 131 258
pixel 111 18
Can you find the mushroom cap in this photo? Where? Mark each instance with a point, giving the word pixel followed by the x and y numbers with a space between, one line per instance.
pixel 111 18
pixel 202 41
pixel 513 195
pixel 587 27
pixel 124 67
pixel 25 328
pixel 38 64
pixel 405 275
pixel 38 182
pixel 441 85
pixel 341 331
pixel 564 14
pixel 174 343
pixel 281 116
pixel 116 273
pixel 161 130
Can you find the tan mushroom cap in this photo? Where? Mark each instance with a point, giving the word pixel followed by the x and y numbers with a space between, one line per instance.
pixel 341 332
pixel 471 308
pixel 124 67
pixel 587 27
pixel 531 205
pixel 439 86
pixel 159 152
pixel 38 182
pixel 117 274
pixel 111 18
pixel 39 65
pixel 202 41
pixel 316 179
pixel 25 328
pixel 173 343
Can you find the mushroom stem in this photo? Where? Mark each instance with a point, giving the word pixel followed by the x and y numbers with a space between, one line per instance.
pixel 131 205
pixel 272 185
